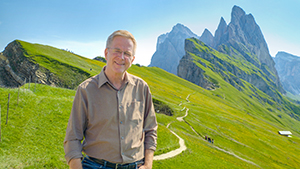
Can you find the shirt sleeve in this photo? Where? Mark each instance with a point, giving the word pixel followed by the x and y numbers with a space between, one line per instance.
pixel 76 126
pixel 150 123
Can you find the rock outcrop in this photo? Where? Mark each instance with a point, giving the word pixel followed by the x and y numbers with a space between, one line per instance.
pixel 207 38
pixel 288 67
pixel 17 67
pixel 170 48
pixel 244 35
pixel 193 67
pixel 242 40
pixel 219 34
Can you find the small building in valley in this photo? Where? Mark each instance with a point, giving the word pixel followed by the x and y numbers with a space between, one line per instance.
pixel 285 133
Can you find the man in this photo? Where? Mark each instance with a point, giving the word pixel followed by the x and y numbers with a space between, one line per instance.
pixel 113 113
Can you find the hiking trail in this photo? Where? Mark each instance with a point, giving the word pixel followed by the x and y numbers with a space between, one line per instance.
pixel 175 152
pixel 183 147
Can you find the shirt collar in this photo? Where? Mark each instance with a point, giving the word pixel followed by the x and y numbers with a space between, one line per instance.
pixel 129 78
pixel 103 78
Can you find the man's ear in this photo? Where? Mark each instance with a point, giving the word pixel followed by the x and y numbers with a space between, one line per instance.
pixel 133 57
pixel 105 53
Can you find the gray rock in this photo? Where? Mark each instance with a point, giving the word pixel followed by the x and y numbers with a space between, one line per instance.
pixel 207 37
pixel 219 33
pixel 18 66
pixel 16 69
pixel 242 38
pixel 288 67
pixel 231 70
pixel 245 36
pixel 170 48
pixel 188 70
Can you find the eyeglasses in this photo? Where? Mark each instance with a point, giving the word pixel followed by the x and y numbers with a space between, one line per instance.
pixel 120 52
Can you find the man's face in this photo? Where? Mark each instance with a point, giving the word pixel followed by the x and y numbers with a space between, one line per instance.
pixel 119 55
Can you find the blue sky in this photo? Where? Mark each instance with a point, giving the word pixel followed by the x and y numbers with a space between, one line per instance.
pixel 83 26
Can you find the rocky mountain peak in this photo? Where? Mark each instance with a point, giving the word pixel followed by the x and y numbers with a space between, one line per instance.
pixel 236 14
pixel 286 56
pixel 170 48
pixel 161 39
pixel 245 36
pixel 222 28
pixel 222 25
pixel 241 39
pixel 207 37
pixel 181 28
pixel 288 69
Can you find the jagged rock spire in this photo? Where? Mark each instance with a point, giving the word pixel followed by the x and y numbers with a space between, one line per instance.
pixel 170 48
pixel 207 37
pixel 222 28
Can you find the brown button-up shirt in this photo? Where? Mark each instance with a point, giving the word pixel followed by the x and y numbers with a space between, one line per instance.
pixel 116 125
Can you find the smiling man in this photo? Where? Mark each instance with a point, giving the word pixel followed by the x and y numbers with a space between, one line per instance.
pixel 113 114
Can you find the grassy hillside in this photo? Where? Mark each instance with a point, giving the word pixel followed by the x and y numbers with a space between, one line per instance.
pixel 245 129
pixel 69 68
pixel 33 137
pixel 239 124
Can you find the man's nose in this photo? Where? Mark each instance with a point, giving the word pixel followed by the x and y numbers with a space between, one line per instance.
pixel 122 55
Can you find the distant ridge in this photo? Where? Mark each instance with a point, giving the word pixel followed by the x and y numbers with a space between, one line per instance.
pixel 288 67
pixel 241 40
pixel 170 48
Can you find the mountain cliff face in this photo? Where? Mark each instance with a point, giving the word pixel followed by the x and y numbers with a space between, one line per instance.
pixel 243 43
pixel 220 32
pixel 288 67
pixel 241 39
pixel 245 36
pixel 201 59
pixel 170 48
pixel 207 38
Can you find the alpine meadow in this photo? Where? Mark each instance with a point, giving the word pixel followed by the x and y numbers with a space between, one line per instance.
pixel 243 123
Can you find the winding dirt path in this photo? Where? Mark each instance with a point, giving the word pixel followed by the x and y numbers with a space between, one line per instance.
pixel 183 147
pixel 181 118
pixel 175 152
pixel 172 153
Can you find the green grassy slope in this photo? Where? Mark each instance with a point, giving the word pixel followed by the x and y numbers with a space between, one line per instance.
pixel 69 68
pixel 33 137
pixel 238 123
pixel 38 53
pixel 245 129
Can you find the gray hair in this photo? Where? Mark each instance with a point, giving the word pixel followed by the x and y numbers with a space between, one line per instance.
pixel 122 33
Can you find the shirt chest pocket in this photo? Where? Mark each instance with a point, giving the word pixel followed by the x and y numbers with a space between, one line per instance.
pixel 135 112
